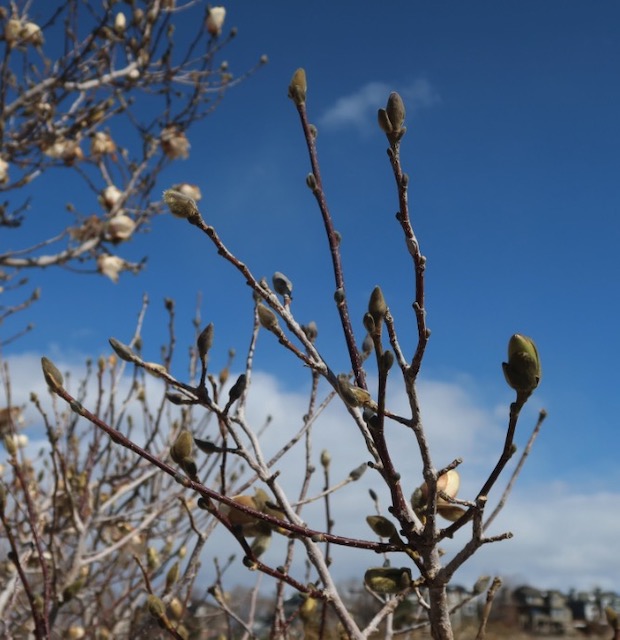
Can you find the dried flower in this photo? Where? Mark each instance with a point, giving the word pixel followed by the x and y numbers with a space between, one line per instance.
pixel 110 266
pixel 102 144
pixel 4 171
pixel 110 196
pixel 62 149
pixel 174 142
pixel 190 190
pixel 119 228
pixel 215 20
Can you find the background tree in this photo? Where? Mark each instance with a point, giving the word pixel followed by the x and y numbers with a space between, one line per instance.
pixel 107 91
pixel 149 510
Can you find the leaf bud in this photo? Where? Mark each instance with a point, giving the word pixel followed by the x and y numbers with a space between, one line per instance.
pixel 311 182
pixel 189 466
pixel 339 295
pixel 481 584
pixel 387 580
pixel 326 458
pixel 266 317
pixel 52 376
pixel 386 361
pixel 182 447
pixel 522 371
pixel 281 284
pixel 310 330
pixel 155 606
pixel 237 389
pixel 369 323
pixel 205 340
pixel 123 351
pixel 384 121
pixel 383 527
pixel 298 87
pixel 173 575
pixel 358 472
pixel 352 395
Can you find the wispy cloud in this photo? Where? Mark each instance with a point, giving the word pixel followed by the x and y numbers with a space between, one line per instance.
pixel 359 109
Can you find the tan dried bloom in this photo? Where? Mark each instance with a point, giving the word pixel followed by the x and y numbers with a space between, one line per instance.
pixel 215 20
pixel 31 34
pixel 12 31
pixel 62 149
pixel 4 171
pixel 120 22
pixel 190 190
pixel 110 196
pixel 102 144
pixel 110 266
pixel 174 143
pixel 119 228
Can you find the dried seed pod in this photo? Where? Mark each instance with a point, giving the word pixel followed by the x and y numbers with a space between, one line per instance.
pixel 298 87
pixel 204 342
pixel 266 317
pixel 52 376
pixel 182 447
pixel 523 370
pixel 388 579
pixel 281 284
pixel 383 527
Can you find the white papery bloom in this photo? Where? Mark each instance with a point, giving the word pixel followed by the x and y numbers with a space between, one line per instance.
pixel 215 20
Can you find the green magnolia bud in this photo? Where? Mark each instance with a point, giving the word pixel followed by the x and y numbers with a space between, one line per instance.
pixel 352 395
pixel 310 330
pixel 388 579
pixel 266 317
pixel 261 544
pixel 189 466
pixel 173 575
pixel 155 606
pixel 281 284
pixel 205 340
pixel 376 306
pixel 180 205
pixel 52 376
pixel 481 584
pixel 358 472
pixel 237 389
pixel 522 371
pixel 383 527
pixel 386 361
pixel 122 350
pixel 182 447
pixel 298 87
pixel 396 111
pixel 325 458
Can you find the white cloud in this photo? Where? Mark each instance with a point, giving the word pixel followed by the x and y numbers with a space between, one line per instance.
pixel 359 109
pixel 563 537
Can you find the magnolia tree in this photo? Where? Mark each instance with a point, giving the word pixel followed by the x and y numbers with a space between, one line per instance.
pixel 107 91
pixel 106 531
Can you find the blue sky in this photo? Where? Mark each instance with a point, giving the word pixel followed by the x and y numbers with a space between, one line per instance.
pixel 513 150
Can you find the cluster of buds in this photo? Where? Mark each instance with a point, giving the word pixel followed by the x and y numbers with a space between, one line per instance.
pixel 19 31
pixel 215 20
pixel 174 142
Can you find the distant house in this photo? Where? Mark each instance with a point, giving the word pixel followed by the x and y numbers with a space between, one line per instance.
pixel 544 612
